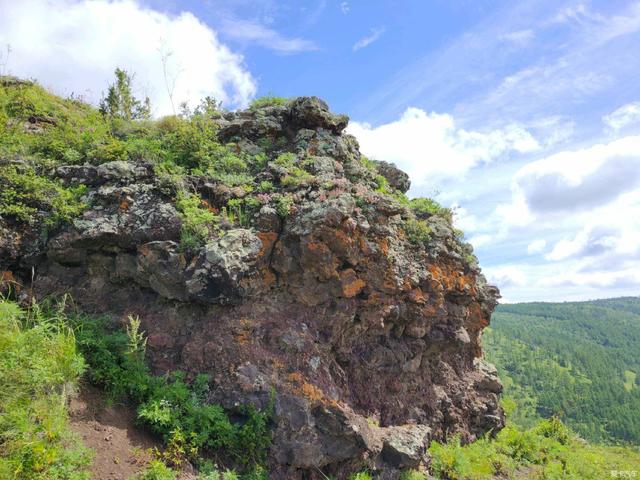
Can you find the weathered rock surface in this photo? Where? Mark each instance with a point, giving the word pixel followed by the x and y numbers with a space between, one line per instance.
pixel 371 343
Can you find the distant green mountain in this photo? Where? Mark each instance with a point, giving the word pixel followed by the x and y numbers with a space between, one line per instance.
pixel 577 360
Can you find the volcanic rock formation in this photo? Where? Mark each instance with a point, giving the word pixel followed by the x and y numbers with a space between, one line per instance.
pixel 370 341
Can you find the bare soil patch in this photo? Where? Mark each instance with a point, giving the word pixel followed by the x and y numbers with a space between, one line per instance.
pixel 120 447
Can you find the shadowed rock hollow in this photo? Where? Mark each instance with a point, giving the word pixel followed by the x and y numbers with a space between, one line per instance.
pixel 369 336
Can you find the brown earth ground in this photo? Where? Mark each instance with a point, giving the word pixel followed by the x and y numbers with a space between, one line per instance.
pixel 120 449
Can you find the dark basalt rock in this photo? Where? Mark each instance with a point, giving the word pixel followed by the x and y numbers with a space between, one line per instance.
pixel 397 179
pixel 371 343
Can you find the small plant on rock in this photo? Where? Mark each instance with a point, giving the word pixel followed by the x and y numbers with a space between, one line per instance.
pixel 417 231
pixel 198 222
pixel 268 101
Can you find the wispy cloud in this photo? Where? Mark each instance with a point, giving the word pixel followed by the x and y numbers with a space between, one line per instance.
pixel 344 7
pixel 564 64
pixel 254 32
pixel 375 34
pixel 624 116
pixel 519 37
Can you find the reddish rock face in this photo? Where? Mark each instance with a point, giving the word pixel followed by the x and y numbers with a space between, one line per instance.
pixel 372 343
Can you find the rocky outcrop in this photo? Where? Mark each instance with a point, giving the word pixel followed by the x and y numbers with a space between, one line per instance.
pixel 370 341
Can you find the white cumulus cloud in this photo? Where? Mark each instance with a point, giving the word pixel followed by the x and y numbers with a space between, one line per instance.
pixel 430 144
pixel 536 246
pixel 506 276
pixel 74 46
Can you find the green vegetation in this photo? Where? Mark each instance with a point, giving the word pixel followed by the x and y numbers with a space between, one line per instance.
pixel 39 131
pixel 27 196
pixel 427 207
pixel 283 205
pixel 198 222
pixel 157 470
pixel 418 231
pixel 361 476
pixel 268 101
pixel 573 360
pixel 549 450
pixel 39 369
pixel 295 175
pixel 168 405
pixel 40 364
pixel 120 102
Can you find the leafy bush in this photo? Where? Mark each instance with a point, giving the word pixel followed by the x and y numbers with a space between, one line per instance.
pixel 120 102
pixel 198 222
pixel 295 175
pixel 361 476
pixel 427 207
pixel 39 368
pixel 417 231
pixel 368 164
pixel 157 470
pixel 382 185
pixel 240 210
pixel 547 451
pixel 25 193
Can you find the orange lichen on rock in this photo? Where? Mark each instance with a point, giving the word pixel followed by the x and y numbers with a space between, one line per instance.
pixel 453 279
pixel 384 246
pixel 9 282
pixel 417 296
pixel 300 386
pixel 350 283
pixel 268 241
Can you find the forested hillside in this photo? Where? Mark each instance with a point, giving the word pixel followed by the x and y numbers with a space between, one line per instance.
pixel 576 360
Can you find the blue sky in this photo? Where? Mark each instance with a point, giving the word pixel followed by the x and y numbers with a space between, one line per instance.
pixel 523 116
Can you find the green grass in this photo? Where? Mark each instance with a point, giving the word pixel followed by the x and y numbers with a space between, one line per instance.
pixel 39 131
pixel 549 450
pixel 41 360
pixel 39 369
pixel 268 101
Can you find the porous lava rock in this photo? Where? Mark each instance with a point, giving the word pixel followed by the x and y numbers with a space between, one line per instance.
pixel 371 342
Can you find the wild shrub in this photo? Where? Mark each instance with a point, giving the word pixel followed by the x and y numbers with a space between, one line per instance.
pixel 120 103
pixel 198 222
pixel 361 476
pixel 549 450
pixel 412 475
pixel 417 231
pixel 157 470
pixel 284 203
pixel 27 196
pixel 241 210
pixel 39 369
pixel 425 207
